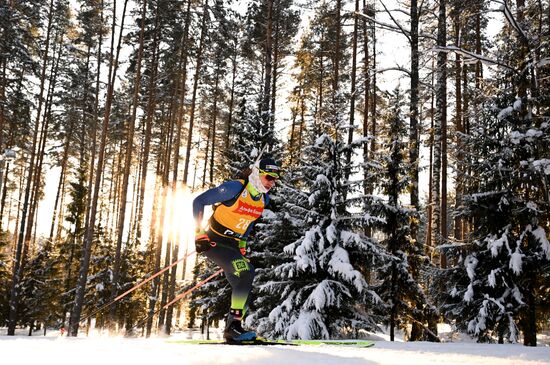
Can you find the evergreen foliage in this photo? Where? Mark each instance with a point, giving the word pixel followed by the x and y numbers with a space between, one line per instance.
pixel 395 282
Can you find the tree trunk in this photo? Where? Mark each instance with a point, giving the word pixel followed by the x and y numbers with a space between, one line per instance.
pixel 44 136
pixel 373 104
pixel 159 183
pixel 198 64
pixel 268 66
pixel 275 66
pixel 87 249
pixel 439 168
pixel 529 320
pixel 353 90
pixel 151 103
pixel 127 165
pixel 62 176
pixel 19 263
pixel 206 153
pixel 414 143
pixel 6 167
pixel 337 52
pixel 175 163
pixel 459 130
pixel 413 124
pixel 366 74
pixel 430 203
pixel 229 122
pixel 214 120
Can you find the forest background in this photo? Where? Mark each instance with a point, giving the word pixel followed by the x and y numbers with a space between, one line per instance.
pixel 413 137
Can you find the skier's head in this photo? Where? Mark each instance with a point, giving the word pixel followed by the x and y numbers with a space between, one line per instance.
pixel 264 174
pixel 269 168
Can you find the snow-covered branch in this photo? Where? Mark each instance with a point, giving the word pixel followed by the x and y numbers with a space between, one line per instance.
pixel 513 22
pixel 473 55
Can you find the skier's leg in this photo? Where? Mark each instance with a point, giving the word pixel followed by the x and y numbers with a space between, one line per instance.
pixel 240 274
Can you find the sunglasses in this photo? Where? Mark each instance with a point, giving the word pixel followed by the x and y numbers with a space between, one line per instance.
pixel 269 176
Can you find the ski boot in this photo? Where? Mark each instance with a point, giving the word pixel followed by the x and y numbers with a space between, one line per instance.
pixel 234 332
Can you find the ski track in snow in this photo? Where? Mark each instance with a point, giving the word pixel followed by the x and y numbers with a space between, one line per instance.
pixel 114 350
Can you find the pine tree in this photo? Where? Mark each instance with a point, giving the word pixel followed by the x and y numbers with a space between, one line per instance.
pixel 496 287
pixel 499 275
pixel 319 288
pixel 40 288
pixel 4 278
pixel 396 283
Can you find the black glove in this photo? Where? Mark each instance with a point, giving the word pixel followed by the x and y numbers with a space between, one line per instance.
pixel 202 242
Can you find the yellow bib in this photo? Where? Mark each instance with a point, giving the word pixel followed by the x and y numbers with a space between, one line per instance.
pixel 236 218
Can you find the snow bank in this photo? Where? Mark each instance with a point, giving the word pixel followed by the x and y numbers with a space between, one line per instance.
pixel 105 350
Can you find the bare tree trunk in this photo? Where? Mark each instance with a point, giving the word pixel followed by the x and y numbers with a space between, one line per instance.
pixel 430 205
pixel 414 133
pixel 414 143
pixel 155 221
pixel 439 169
pixel 353 90
pixel 264 111
pixel 87 249
pixel 62 175
pixel 206 152
pixel 151 102
pixel 96 114
pixel 459 130
pixel 198 64
pixel 44 135
pixel 214 120
pixel 159 185
pixel 19 263
pixel 373 105
pixel 127 165
pixel 337 52
pixel 175 163
pixel 366 74
pixel 275 65
pixel 229 121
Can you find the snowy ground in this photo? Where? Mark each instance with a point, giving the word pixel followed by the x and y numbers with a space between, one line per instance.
pixel 54 349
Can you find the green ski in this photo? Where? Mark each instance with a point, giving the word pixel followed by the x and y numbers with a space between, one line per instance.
pixel 266 342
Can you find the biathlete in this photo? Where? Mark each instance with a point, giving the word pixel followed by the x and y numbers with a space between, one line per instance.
pixel 238 204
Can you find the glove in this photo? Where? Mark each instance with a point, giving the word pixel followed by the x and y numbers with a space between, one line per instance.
pixel 242 247
pixel 202 242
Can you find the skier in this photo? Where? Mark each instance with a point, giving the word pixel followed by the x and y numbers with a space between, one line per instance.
pixel 237 205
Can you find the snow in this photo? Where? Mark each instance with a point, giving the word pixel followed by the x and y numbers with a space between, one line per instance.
pixel 471 264
pixel 540 235
pixel 105 350
pixel 516 261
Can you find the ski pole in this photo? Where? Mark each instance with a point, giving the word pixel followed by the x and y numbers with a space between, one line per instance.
pixel 143 282
pixel 178 297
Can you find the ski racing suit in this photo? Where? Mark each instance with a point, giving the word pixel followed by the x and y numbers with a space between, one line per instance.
pixel 235 212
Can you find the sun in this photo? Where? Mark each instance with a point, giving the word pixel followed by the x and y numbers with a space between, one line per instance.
pixel 178 224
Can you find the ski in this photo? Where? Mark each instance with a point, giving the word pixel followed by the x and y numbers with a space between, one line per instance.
pixel 351 343
pixel 266 342
pixel 256 342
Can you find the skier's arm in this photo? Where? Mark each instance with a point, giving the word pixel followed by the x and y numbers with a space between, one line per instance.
pixel 225 191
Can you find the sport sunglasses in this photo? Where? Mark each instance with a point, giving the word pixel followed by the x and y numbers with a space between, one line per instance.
pixel 270 176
